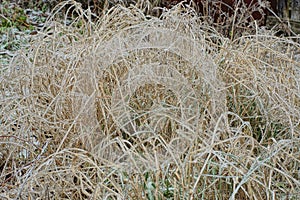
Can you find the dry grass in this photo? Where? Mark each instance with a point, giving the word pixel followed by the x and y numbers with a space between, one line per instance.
pixel 136 107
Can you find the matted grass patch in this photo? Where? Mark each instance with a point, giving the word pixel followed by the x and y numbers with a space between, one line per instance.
pixel 136 107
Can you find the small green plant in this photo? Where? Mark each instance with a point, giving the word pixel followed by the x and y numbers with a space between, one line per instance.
pixel 13 16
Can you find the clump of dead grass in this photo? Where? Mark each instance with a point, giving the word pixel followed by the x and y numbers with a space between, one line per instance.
pixel 137 107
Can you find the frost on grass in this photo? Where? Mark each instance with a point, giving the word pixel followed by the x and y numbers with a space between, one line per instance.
pixel 136 107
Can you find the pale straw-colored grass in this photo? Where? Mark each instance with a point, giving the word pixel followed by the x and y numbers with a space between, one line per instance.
pixel 136 107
